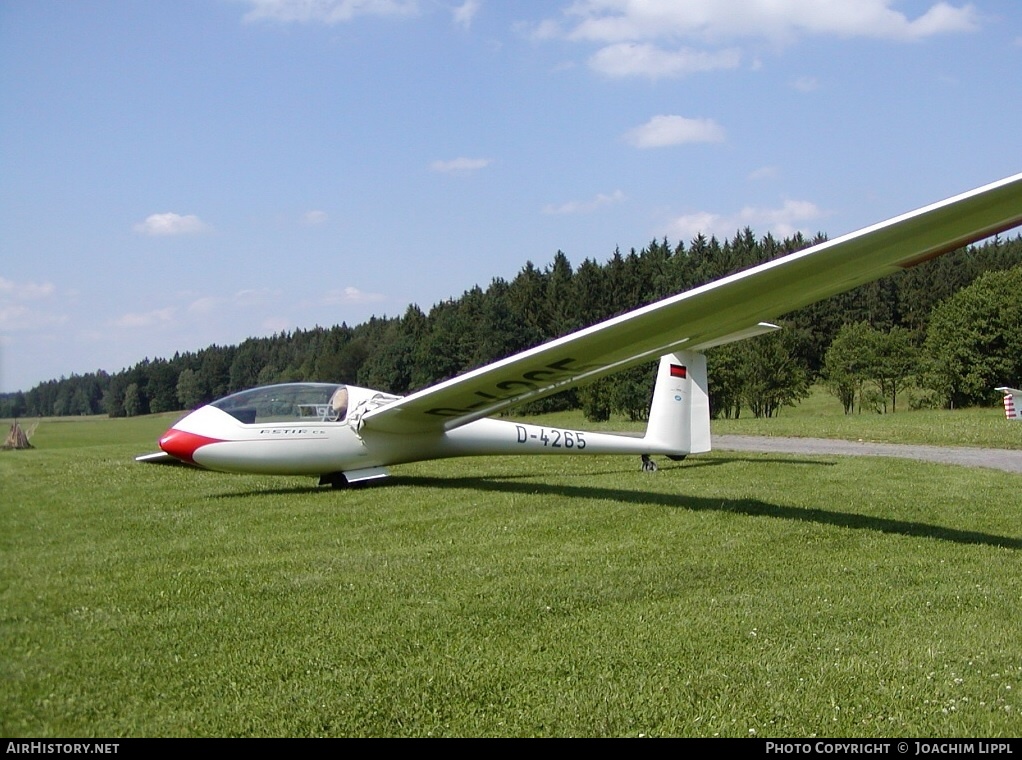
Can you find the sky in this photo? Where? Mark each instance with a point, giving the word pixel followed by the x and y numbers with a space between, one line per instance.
pixel 181 173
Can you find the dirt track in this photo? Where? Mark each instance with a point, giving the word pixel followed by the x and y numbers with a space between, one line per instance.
pixel 999 459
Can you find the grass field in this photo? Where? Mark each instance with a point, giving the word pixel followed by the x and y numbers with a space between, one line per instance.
pixel 727 595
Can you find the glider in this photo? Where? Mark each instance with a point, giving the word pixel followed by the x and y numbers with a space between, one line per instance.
pixel 1010 410
pixel 346 434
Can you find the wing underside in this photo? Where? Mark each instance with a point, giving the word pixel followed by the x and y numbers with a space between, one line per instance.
pixel 727 309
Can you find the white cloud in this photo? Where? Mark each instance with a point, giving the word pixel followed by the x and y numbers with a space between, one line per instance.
pixel 15 315
pixel 661 131
pixel 351 295
pixel 205 305
pixel 806 84
pixel 162 225
pixel 256 296
pixel 624 59
pixel 200 309
pixel 612 21
pixel 134 320
pixel 941 18
pixel 243 298
pixel 585 207
pixel 464 13
pixel 314 217
pixel 327 11
pixel 277 324
pixel 763 172
pixel 460 165
pixel 642 38
pixel 548 29
pixel 781 222
pixel 688 226
pixel 11 313
pixel 25 291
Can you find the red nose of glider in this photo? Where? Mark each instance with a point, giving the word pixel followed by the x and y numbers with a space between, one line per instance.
pixel 182 445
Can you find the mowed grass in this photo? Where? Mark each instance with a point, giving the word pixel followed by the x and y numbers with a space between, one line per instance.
pixel 821 415
pixel 727 595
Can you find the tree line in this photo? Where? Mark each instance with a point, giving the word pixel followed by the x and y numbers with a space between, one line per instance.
pixel 951 326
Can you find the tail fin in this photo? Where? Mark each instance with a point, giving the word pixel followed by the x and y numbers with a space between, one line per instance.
pixel 679 417
pixel 1012 403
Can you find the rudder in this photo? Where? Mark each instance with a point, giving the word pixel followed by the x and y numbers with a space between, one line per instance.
pixel 679 416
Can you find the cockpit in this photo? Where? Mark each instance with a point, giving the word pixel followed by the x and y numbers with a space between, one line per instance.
pixel 289 402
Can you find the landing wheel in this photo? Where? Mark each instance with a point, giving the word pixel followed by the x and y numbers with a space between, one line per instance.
pixel 648 465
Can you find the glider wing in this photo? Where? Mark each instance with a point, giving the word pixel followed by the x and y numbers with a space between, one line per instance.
pixel 731 308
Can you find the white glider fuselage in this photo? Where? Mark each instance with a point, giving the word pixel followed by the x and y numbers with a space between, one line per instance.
pixel 304 448
pixel 318 429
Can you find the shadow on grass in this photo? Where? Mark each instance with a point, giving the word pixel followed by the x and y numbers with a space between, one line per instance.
pixel 749 507
pixel 526 484
pixel 438 482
